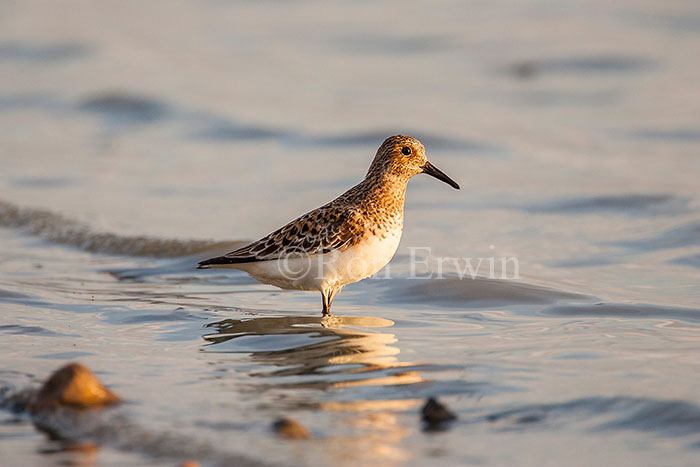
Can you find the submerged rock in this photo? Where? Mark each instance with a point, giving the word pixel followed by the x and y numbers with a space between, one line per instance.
pixel 73 386
pixel 75 409
pixel 290 429
pixel 436 415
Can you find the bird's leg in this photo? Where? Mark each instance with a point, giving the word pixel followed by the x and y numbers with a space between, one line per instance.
pixel 328 296
pixel 326 305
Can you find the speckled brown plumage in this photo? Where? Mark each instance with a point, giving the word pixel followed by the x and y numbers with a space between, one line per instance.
pixel 371 207
pixel 358 231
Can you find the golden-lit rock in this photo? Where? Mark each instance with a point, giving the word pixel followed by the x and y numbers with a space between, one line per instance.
pixel 291 429
pixel 436 415
pixel 75 386
pixel 190 463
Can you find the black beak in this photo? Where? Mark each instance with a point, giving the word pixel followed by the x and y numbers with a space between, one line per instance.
pixel 433 171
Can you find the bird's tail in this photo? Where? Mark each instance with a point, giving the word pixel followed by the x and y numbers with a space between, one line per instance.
pixel 218 262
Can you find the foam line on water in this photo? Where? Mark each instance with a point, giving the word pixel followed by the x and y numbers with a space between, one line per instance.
pixel 57 228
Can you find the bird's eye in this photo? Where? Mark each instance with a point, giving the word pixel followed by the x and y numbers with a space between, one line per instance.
pixel 406 151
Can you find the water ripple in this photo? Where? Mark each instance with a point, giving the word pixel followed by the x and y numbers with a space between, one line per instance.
pixel 59 229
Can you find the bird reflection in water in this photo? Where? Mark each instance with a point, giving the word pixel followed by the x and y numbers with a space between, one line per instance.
pixel 347 356
pixel 320 352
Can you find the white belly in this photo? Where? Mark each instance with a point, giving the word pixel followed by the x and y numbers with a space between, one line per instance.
pixel 331 270
pixel 361 260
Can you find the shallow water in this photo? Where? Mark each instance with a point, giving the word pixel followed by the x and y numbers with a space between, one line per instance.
pixel 132 147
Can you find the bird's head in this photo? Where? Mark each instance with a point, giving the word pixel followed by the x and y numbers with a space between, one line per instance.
pixel 403 157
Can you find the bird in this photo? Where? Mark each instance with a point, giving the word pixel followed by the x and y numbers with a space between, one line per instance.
pixel 346 240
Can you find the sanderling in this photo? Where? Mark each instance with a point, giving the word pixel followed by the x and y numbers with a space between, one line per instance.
pixel 346 240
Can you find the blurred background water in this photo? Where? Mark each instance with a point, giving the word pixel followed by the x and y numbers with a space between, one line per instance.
pixel 139 137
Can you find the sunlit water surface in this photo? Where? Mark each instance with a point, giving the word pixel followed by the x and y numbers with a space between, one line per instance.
pixel 137 139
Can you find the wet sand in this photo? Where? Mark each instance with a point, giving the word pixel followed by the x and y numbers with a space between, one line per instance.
pixel 128 154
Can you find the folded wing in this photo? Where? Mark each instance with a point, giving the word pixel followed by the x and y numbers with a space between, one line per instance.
pixel 317 232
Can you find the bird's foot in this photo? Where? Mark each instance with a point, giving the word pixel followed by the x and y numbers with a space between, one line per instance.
pixel 328 320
